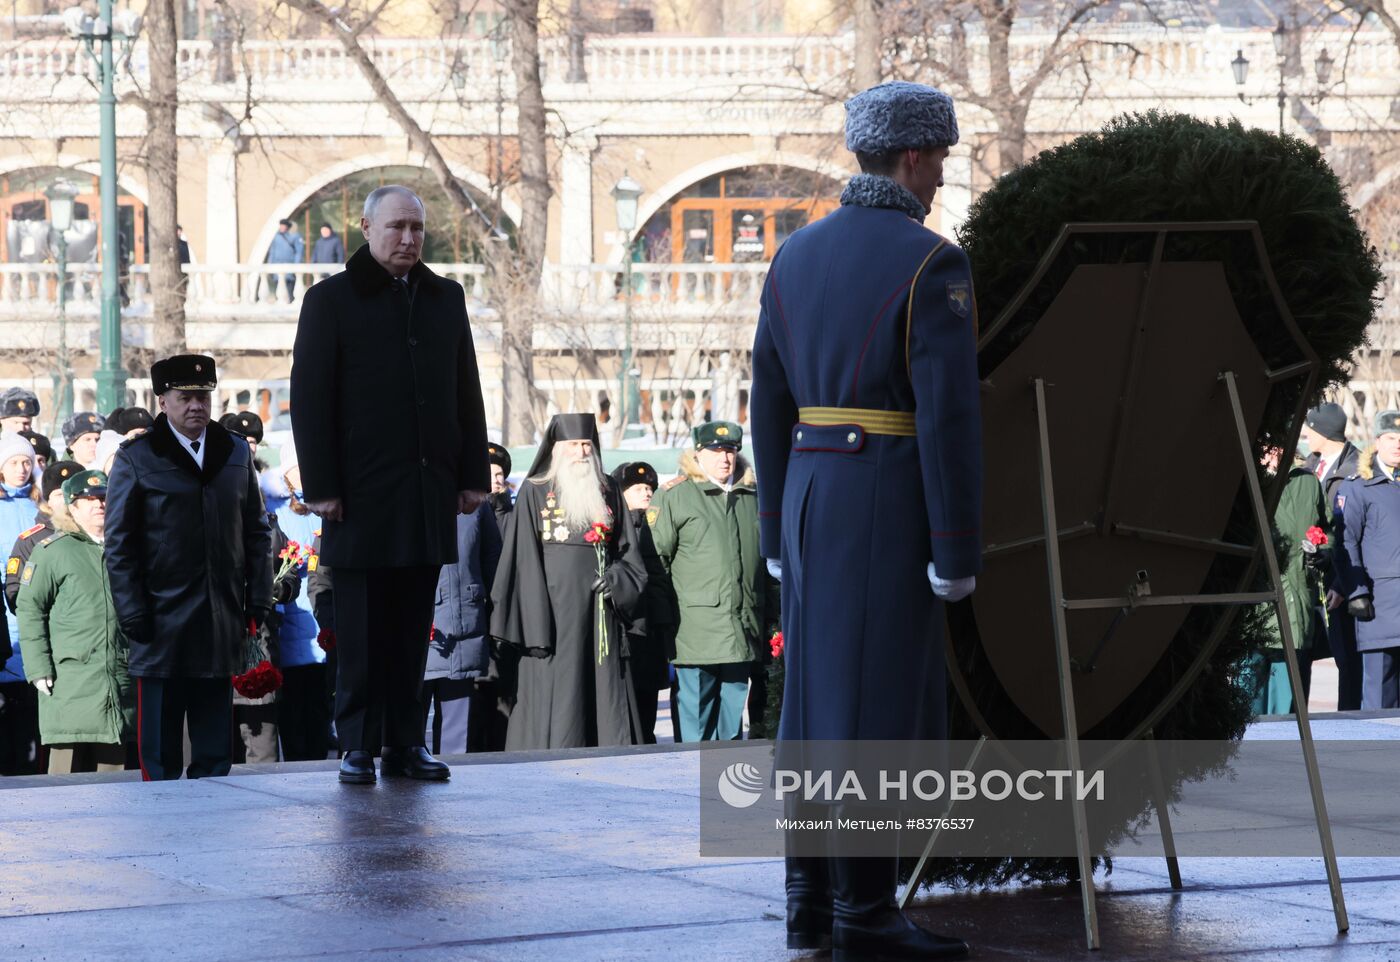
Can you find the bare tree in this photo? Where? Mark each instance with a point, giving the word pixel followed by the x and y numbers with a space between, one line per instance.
pixel 966 46
pixel 517 333
pixel 869 44
pixel 162 151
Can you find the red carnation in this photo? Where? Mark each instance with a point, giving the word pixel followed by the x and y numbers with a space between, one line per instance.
pixel 597 534
pixel 326 639
pixel 775 645
pixel 1316 535
pixel 262 680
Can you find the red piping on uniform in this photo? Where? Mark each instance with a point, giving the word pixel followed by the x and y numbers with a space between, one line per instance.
pixel 140 751
pixel 855 381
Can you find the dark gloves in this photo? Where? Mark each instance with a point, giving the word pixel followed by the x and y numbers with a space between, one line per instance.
pixel 257 617
pixel 284 592
pixel 600 585
pixel 1361 608
pixel 1319 559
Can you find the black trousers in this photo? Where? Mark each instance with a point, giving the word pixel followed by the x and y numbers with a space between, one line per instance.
pixel 1341 637
pixel 303 714
pixel 382 620
pixel 19 729
pixel 163 705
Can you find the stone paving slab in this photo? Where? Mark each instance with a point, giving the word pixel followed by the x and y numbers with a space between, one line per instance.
pixel 577 858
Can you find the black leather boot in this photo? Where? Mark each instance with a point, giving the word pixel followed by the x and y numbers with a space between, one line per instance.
pixel 808 903
pixel 868 925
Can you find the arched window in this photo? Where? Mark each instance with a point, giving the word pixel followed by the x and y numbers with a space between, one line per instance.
pixel 738 216
pixel 452 238
pixel 24 214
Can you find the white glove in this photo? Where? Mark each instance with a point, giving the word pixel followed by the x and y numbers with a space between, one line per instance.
pixel 775 568
pixel 955 590
pixel 44 686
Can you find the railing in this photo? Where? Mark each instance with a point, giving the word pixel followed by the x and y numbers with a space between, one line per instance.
pixel 261 291
pixel 1170 61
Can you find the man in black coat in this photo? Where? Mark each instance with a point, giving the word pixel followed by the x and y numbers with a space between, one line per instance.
pixel 189 555
pixel 391 436
pixel 1333 459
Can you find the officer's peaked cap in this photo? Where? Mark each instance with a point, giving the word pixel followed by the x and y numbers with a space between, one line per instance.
pixel 184 372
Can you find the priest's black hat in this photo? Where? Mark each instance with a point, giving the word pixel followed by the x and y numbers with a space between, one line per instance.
pixel 184 372
pixel 563 427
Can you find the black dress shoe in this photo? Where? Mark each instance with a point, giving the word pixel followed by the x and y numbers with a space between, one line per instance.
pixel 868 925
pixel 413 763
pixel 357 768
pixel 808 903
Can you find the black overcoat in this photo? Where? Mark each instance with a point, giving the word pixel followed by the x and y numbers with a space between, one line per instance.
pixel 387 413
pixel 188 552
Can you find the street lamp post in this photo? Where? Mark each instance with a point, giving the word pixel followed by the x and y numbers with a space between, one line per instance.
pixel 98 35
pixel 625 195
pixel 60 195
pixel 1282 35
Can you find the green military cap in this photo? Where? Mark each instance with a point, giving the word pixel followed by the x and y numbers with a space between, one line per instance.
pixel 1387 422
pixel 718 434
pixel 85 484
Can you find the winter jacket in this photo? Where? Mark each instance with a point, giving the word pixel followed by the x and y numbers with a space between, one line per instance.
pixel 707 541
pixel 1368 558
pixel 297 640
pixel 189 552
pixel 460 645
pixel 286 248
pixel 69 631
pixel 16 515
pixel 328 250
pixel 1300 508
pixel 396 458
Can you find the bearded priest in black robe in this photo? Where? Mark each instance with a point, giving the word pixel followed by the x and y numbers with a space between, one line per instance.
pixel 571 576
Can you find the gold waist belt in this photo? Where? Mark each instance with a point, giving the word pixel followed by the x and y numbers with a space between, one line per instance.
pixel 897 423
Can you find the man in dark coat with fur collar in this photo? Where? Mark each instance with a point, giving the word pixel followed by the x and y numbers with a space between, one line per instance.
pixel 868 443
pixel 189 558
pixel 391 437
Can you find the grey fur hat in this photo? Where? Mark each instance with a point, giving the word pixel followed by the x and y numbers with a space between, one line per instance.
pixel 899 116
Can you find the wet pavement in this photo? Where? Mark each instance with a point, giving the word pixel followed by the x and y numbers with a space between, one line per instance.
pixel 588 857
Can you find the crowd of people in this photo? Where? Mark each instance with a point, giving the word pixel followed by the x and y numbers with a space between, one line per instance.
pixel 575 606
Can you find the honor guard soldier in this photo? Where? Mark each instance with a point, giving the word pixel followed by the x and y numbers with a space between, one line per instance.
pixel 18 409
pixel 868 437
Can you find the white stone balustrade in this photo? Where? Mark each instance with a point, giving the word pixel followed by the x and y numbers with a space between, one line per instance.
pixel 235 307
pixel 1177 62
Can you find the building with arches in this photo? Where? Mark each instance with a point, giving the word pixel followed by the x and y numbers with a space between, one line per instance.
pixel 735 138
